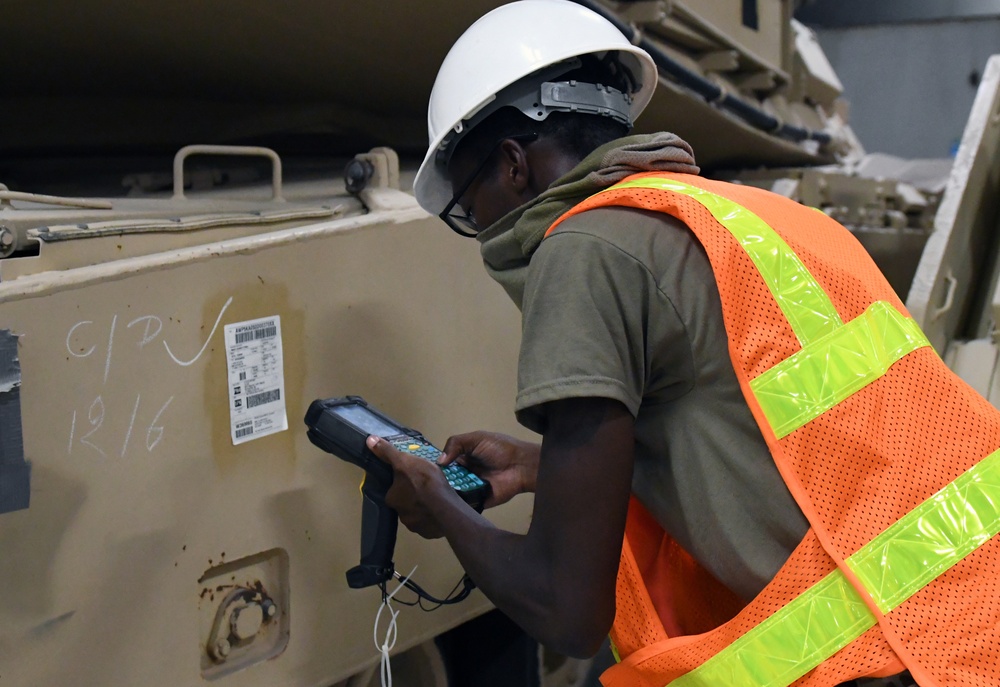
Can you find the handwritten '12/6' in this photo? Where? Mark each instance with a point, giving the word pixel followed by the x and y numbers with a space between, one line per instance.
pixel 95 417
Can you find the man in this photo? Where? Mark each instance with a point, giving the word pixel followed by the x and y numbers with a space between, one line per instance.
pixel 689 357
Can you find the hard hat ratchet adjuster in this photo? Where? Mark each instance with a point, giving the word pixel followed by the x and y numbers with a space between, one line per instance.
pixel 538 101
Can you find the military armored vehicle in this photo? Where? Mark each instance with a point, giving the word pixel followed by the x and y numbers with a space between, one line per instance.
pixel 174 178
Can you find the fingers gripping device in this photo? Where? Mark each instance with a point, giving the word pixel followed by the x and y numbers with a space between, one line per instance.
pixel 341 426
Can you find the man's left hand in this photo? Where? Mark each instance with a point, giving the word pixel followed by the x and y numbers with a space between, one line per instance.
pixel 419 488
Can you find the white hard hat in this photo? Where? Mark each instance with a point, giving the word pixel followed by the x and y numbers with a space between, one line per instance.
pixel 501 48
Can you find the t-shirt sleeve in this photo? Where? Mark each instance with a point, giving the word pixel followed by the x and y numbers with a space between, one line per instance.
pixel 585 323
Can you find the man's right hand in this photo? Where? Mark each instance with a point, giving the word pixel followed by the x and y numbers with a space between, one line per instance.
pixel 508 464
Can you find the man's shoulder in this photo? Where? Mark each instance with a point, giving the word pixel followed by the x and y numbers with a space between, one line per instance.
pixel 609 221
pixel 632 230
pixel 608 242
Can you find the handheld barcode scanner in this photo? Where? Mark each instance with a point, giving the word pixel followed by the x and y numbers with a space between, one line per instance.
pixel 341 426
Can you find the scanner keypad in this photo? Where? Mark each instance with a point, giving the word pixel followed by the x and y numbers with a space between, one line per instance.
pixel 458 476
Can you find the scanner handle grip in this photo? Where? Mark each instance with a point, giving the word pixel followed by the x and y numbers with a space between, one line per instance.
pixel 378 533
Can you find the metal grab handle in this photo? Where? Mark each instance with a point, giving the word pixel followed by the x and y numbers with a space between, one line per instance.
pixel 949 299
pixel 255 151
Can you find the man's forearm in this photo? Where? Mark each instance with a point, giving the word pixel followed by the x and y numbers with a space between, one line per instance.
pixel 558 580
pixel 517 575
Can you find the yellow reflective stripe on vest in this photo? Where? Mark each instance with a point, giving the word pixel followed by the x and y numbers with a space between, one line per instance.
pixel 894 566
pixel 932 537
pixel 804 303
pixel 791 642
pixel 824 373
pixel 836 360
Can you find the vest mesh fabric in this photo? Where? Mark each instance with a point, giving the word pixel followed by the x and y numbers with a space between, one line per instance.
pixel 663 590
pixel 854 470
pixel 910 414
pixel 632 600
pixel 868 655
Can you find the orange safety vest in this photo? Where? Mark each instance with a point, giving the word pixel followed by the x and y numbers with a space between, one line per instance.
pixel 892 458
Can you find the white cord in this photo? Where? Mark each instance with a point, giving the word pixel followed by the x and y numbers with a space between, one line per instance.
pixel 390 632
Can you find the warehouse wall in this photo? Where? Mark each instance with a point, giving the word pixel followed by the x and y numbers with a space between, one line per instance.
pixel 911 85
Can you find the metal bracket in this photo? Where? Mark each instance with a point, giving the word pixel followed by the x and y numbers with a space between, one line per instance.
pixel 378 168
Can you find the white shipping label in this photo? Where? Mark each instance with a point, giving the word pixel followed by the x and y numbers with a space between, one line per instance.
pixel 256 379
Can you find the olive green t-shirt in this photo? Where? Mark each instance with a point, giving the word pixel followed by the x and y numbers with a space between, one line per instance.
pixel 622 304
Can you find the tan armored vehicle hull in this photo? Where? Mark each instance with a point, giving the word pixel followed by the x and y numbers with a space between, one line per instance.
pixel 143 541
pixel 144 517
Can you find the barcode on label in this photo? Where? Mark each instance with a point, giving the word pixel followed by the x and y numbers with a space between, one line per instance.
pixel 246 431
pixel 263 397
pixel 262 333
pixel 243 376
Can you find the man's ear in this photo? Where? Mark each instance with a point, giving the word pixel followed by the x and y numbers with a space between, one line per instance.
pixel 514 166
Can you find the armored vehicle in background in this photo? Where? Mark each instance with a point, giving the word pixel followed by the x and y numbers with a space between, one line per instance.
pixel 174 171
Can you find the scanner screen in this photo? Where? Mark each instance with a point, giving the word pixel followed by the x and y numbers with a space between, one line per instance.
pixel 364 419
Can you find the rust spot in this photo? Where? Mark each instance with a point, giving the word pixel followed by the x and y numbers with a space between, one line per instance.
pixel 184 548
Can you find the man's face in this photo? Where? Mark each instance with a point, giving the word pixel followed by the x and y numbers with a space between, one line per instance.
pixel 476 181
pixel 489 186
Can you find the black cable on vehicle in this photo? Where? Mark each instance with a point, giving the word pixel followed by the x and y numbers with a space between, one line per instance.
pixel 454 596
